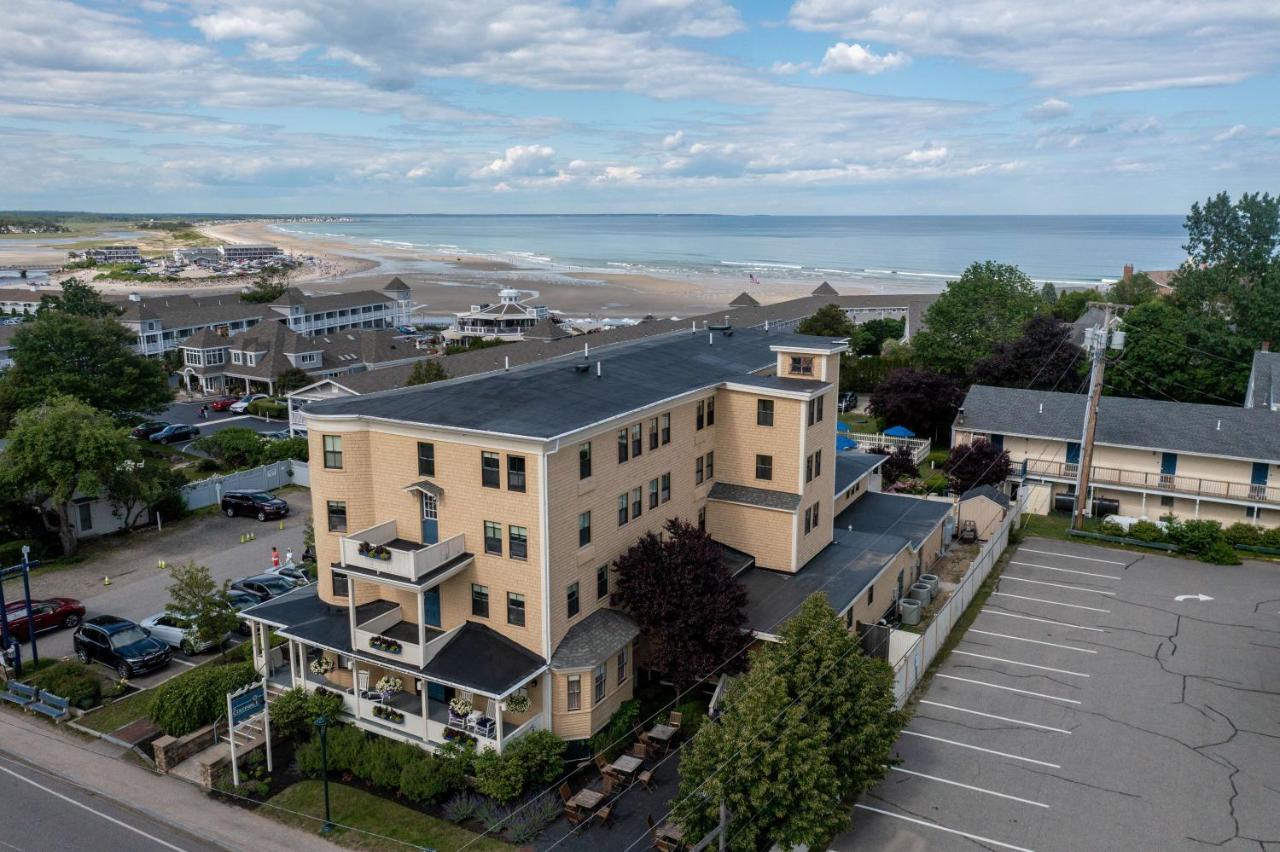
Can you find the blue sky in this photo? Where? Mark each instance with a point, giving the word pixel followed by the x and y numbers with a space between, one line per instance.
pixel 817 106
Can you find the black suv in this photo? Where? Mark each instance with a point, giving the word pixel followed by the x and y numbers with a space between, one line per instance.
pixel 265 586
pixel 121 644
pixel 255 504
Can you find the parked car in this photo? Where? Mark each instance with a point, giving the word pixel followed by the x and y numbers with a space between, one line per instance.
pixel 254 504
pixel 175 432
pixel 291 572
pixel 121 644
pixel 178 632
pixel 241 405
pixel 848 401
pixel 222 403
pixel 240 601
pixel 278 435
pixel 147 428
pixel 264 586
pixel 49 614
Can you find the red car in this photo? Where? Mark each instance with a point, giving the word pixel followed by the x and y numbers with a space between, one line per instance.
pixel 222 403
pixel 49 614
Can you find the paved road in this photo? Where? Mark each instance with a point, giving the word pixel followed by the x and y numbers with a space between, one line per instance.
pixel 140 587
pixel 1088 708
pixel 189 412
pixel 41 812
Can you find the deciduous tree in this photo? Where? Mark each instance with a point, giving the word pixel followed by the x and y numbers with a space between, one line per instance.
pixel 1134 290
pixel 987 305
pixel 876 332
pixel 292 378
pixel 59 450
pixel 135 487
pixel 1184 355
pixel 425 372
pixel 924 402
pixel 195 596
pixel 977 463
pixel 1073 303
pixel 268 285
pixel 1242 237
pixel 78 298
pixel 686 602
pixel 828 321
pixel 900 464
pixel 1043 357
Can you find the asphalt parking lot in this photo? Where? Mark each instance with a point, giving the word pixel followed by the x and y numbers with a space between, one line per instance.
pixel 1088 708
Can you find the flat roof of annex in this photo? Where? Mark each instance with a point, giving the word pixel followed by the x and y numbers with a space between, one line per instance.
pixel 574 393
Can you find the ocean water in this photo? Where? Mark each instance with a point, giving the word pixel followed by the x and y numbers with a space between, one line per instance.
pixel 916 249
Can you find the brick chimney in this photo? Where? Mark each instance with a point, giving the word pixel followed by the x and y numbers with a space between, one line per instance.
pixel 1128 272
pixel 1266 346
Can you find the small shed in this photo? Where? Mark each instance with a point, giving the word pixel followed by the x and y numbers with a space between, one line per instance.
pixel 986 506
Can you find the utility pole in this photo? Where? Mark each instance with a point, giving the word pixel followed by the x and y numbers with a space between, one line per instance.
pixel 1096 341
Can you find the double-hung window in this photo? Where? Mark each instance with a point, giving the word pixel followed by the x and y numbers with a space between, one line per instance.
pixel 573 695
pixel 493 538
pixel 666 487
pixel 584 460
pixel 697 470
pixel 711 411
pixel 764 467
pixel 333 452
pixel 572 600
pixel 584 529
pixel 711 465
pixel 622 446
pixel 602 581
pixel 479 600
pixel 622 665
pixel 624 513
pixel 490 470
pixel 426 459
pixel 700 420
pixel 637 440
pixel 600 674
pixel 666 429
pixel 817 463
pixel 515 609
pixel 518 541
pixel 653 434
pixel 515 473
pixel 637 502
pixel 764 412
pixel 337 516
pixel 653 493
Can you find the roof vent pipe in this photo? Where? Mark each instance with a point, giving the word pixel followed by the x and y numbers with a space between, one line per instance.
pixel 506 362
pixel 1218 428
pixel 960 415
pixel 766 325
pixel 599 369
pixel 693 326
pixel 1042 408
pixel 586 350
pixel 711 338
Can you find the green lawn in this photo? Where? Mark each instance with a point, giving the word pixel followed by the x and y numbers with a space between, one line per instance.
pixel 861 422
pixel 117 714
pixel 302 806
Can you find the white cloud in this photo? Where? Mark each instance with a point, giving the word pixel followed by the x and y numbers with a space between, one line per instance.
pixel 856 59
pixel 1048 109
pixel 520 161
pixel 691 18
pixel 931 156
pixel 1236 131
pixel 673 141
pixel 1086 46
pixel 786 69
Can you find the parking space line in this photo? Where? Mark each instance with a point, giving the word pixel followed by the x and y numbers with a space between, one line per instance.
pixel 184 663
pixel 1008 688
pixel 980 748
pixel 994 716
pixel 1065 570
pixel 1057 585
pixel 1032 641
pixel 1055 603
pixel 1069 556
pixel 1016 663
pixel 969 787
pixel 991 611
pixel 975 837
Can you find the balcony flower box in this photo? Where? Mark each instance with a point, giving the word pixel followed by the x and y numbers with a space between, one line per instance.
pixel 388 714
pixel 461 707
pixel 385 645
pixel 517 702
pixel 375 551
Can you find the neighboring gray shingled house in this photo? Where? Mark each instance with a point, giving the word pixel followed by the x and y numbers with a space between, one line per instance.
pixel 1264 381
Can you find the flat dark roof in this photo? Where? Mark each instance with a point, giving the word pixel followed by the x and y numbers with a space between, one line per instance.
pixel 551 398
pixel 912 518
pixel 852 466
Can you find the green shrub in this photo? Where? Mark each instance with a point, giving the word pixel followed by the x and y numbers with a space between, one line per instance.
pixel 541 755
pixel 308 756
pixel 498 776
pixel 1146 531
pixel 1194 536
pixel 346 748
pixel 324 703
pixel 1242 533
pixel 70 680
pixel 1112 528
pixel 268 408
pixel 11 551
pixel 1220 553
pixel 430 777
pixel 693 713
pixel 291 714
pixel 614 738
pixel 197 697
pixel 461 807
pixel 285 448
pixel 1271 538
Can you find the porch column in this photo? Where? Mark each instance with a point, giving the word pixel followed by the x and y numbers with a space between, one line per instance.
pixel 293 664
pixel 422 620
pixel 499 721
pixel 253 640
pixel 246 387
pixel 1144 504
pixel 425 717
pixel 351 607
pixel 546 699
pixel 265 643
pixel 1197 508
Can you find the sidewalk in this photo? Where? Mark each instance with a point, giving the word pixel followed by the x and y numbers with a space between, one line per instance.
pixel 101 768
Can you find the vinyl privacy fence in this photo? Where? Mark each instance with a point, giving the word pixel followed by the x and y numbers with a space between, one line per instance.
pixel 915 662
pixel 208 492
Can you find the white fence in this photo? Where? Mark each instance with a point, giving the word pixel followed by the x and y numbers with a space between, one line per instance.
pixel 208 492
pixel 913 664
pixel 919 447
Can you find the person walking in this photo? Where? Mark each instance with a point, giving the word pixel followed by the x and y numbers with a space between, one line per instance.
pixel 204 412
pixel 288 556
pixel 275 557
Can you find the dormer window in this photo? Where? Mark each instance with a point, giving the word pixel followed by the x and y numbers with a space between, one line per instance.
pixel 237 357
pixel 802 365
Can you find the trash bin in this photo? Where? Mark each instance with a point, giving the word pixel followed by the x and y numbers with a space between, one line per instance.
pixel 922 593
pixel 930 580
pixel 909 611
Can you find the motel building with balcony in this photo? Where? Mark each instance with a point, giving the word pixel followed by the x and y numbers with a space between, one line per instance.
pixel 1151 457
pixel 465 529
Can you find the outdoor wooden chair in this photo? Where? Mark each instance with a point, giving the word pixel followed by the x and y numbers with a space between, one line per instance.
pixel 605 815
pixel 640 750
pixel 610 782
pixel 575 816
pixel 673 719
pixel 658 842
pixel 606 771
pixel 645 777
pixel 566 795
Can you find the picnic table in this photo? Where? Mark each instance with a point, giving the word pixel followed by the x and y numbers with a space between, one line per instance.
pixel 626 765
pixel 671 831
pixel 661 734
pixel 586 799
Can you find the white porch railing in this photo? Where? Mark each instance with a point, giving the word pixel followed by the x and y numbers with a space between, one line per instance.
pixel 534 724
pixel 410 724
pixel 410 652
pixel 409 562
pixel 919 447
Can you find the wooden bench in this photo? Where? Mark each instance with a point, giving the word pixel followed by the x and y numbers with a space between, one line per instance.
pixel 19 693
pixel 53 706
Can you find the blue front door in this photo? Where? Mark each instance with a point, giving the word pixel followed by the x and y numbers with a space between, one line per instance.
pixel 430 519
pixel 1073 452
pixel 1258 481
pixel 1168 463
pixel 431 606
pixel 436 692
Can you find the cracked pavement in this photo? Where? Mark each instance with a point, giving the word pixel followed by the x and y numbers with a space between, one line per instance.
pixel 1174 742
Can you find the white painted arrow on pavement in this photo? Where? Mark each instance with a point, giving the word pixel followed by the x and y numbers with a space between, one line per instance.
pixel 1181 598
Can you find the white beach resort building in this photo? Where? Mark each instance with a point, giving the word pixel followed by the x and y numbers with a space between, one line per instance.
pixel 508 320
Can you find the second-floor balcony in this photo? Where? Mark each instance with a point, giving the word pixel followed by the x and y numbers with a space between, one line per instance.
pixel 380 549
pixel 1145 480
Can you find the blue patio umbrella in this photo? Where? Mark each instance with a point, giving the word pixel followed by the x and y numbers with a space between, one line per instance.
pixel 899 432
pixel 843 443
pixel 841 426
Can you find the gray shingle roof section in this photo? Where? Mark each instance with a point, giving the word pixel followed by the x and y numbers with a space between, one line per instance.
pixel 825 289
pixel 852 466
pixel 594 639
pixel 1252 434
pixel 841 571
pixel 750 496
pixel 744 300
pixel 990 492
pixel 481 658
pixel 783 383
pixel 1264 381
pixel 912 518
pixel 532 401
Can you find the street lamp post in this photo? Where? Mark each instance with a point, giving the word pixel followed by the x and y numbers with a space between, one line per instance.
pixel 322 726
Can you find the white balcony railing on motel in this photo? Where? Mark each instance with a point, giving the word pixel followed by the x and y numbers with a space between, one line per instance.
pixel 405 559
pixel 409 652
pixel 1153 481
